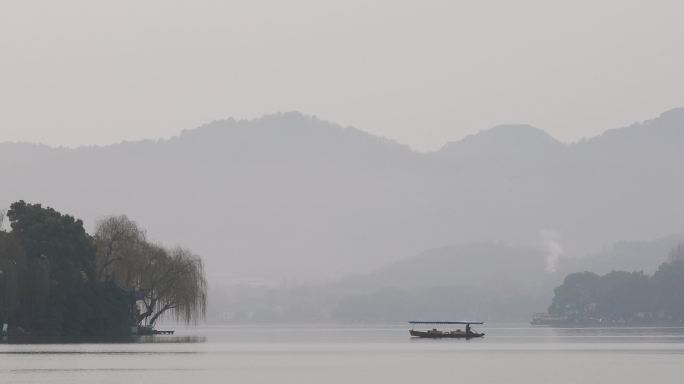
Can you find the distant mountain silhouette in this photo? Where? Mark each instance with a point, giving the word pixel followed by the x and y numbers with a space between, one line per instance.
pixel 493 265
pixel 503 141
pixel 484 280
pixel 631 256
pixel 478 280
pixel 292 195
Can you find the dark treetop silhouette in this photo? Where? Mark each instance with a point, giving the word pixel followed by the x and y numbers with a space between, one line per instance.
pixel 56 280
pixel 624 297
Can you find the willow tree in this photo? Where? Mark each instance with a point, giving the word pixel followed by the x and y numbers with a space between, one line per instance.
pixel 173 284
pixel 121 245
pixel 166 282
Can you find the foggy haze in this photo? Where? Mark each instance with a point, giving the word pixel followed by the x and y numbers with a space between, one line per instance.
pixel 308 191
pixel 423 73
pixel 291 196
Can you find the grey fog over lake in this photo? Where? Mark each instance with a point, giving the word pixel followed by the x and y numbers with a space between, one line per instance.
pixel 307 191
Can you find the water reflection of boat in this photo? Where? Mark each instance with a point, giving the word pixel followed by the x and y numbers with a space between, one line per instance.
pixel 435 333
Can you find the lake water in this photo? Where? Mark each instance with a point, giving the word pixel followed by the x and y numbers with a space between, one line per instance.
pixel 357 354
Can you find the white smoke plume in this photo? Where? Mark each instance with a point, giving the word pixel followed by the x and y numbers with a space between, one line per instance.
pixel 551 242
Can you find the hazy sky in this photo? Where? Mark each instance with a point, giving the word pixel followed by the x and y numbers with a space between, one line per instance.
pixel 421 72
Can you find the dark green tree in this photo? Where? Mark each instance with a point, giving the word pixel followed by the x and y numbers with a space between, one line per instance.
pixel 62 296
pixel 624 297
pixel 576 297
pixel 668 285
pixel 12 284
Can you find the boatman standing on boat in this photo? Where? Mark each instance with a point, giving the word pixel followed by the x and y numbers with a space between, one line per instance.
pixel 468 329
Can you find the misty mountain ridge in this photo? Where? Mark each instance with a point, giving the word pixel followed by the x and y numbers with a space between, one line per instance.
pixel 659 130
pixel 493 266
pixel 489 281
pixel 292 195
pixel 508 140
pixel 274 132
pixel 289 136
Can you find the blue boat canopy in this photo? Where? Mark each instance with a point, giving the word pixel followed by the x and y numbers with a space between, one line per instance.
pixel 445 322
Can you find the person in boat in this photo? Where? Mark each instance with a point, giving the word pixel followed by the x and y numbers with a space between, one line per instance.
pixel 468 331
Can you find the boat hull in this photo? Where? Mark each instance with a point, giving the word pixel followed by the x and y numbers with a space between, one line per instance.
pixel 443 335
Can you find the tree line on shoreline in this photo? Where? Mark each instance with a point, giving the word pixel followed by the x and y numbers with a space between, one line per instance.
pixel 57 280
pixel 622 297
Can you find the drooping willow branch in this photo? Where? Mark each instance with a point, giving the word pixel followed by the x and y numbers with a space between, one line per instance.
pixel 171 282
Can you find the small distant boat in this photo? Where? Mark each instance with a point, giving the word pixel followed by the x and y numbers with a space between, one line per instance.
pixel 435 333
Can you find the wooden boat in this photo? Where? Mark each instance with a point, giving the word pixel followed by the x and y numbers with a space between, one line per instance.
pixel 438 334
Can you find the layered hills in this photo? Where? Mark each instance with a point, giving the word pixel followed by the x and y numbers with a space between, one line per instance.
pixel 289 195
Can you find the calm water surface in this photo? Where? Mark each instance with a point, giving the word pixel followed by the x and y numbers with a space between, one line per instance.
pixel 357 354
